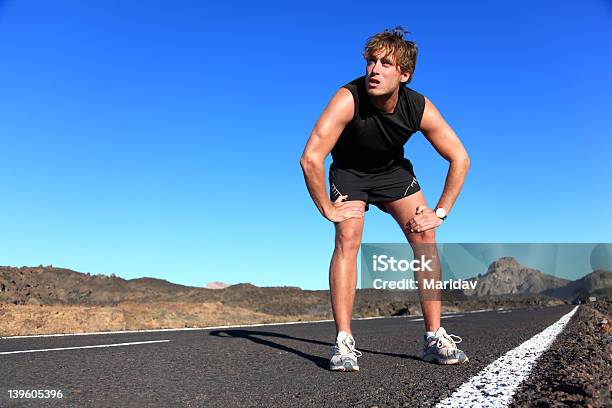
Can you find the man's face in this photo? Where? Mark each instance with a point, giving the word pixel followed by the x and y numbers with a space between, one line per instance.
pixel 383 76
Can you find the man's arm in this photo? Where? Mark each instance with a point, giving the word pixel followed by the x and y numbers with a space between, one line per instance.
pixel 336 115
pixel 448 145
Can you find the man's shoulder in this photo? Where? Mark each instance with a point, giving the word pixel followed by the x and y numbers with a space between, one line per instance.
pixel 415 98
pixel 356 88
pixel 412 93
pixel 355 83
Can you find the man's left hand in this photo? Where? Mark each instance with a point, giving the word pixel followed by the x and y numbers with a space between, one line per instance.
pixel 424 220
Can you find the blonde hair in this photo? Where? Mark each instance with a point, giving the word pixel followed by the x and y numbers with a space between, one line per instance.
pixel 392 43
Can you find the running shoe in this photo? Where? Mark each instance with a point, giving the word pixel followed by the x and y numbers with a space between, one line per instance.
pixel 345 354
pixel 442 348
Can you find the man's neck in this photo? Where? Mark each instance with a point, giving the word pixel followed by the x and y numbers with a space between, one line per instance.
pixel 385 103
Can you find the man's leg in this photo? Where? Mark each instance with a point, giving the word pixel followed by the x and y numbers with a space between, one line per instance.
pixel 423 243
pixel 439 346
pixel 343 270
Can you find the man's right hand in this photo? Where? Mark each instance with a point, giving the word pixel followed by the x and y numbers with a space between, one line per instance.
pixel 345 210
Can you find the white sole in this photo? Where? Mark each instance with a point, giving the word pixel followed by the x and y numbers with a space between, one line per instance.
pixel 437 360
pixel 346 367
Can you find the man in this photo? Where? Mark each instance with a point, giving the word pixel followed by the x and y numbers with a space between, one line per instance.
pixel 365 126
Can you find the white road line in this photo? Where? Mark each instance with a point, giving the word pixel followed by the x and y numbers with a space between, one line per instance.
pixel 495 385
pixel 482 310
pixel 84 347
pixel 442 317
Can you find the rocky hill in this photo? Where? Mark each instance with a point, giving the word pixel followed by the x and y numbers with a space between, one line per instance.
pixel 47 285
pixel 596 283
pixel 506 277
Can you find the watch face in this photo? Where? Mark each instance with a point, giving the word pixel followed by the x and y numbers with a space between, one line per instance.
pixel 441 212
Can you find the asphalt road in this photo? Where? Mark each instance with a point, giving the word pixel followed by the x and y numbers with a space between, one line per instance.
pixel 276 365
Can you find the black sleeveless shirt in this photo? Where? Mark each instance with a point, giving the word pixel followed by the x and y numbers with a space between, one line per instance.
pixel 374 140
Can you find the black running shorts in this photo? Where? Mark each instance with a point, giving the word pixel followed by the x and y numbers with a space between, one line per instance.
pixel 373 187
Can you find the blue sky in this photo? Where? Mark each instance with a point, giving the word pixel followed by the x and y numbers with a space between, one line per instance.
pixel 163 138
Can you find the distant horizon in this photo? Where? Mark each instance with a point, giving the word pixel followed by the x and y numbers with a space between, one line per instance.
pixel 271 286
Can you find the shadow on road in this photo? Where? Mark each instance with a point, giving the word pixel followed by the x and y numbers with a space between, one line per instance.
pixel 323 362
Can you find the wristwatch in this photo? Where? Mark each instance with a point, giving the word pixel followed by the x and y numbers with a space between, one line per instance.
pixel 441 213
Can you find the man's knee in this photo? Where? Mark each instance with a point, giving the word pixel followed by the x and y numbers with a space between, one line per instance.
pixel 428 237
pixel 348 240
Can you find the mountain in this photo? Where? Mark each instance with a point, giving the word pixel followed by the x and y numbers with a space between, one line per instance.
pixel 595 283
pixel 216 285
pixel 507 276
pixel 45 285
